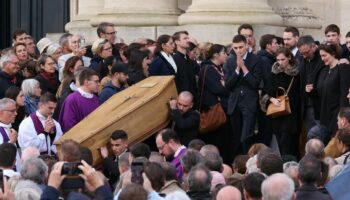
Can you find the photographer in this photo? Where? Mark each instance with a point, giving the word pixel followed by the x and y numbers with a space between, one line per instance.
pixel 93 182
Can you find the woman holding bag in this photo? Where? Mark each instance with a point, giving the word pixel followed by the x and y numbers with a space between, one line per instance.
pixel 213 93
pixel 285 74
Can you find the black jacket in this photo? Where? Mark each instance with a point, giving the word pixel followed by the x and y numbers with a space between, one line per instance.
pixel 243 88
pixel 111 170
pixel 186 125
pixel 185 78
pixel 310 192
pixel 135 76
pixel 6 82
pixel 213 90
pixel 309 72
pixel 160 67
pixel 268 60
pixel 46 86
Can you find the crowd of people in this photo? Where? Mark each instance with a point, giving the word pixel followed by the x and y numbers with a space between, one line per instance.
pixel 46 88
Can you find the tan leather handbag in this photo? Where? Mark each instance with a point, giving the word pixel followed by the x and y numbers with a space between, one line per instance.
pixel 284 109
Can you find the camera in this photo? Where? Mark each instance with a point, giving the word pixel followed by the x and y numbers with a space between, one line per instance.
pixel 71 169
pixel 72 179
pixel 136 172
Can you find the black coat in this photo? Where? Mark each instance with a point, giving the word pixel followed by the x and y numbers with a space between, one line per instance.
pixel 186 125
pixel 310 192
pixel 135 76
pixel 46 86
pixel 111 170
pixel 185 78
pixel 160 67
pixel 6 82
pixel 309 72
pixel 268 60
pixel 242 88
pixel 332 89
pixel 282 78
pixel 213 90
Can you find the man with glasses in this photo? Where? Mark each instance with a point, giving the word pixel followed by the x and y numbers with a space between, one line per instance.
pixel 82 102
pixel 8 75
pixel 310 66
pixel 185 120
pixel 8 113
pixel 107 31
pixel 170 147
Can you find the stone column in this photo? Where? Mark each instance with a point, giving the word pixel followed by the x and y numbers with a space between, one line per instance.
pixel 295 13
pixel 138 12
pixel 83 11
pixel 230 12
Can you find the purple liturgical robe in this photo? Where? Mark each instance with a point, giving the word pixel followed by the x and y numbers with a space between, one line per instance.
pixel 75 108
pixel 177 164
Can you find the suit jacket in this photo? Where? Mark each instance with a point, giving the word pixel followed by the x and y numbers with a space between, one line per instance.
pixel 310 192
pixel 160 67
pixel 243 88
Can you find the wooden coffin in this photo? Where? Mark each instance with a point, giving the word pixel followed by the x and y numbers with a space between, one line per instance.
pixel 140 110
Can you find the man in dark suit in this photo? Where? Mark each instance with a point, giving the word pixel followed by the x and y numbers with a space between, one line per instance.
pixel 309 173
pixel 119 145
pixel 185 120
pixel 243 74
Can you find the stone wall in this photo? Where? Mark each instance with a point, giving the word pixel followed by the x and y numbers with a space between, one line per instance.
pixel 207 20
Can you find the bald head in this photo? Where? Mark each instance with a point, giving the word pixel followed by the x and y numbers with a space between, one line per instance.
pixel 229 193
pixel 315 147
pixel 184 102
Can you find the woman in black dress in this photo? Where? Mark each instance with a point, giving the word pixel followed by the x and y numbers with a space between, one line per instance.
pixel 332 87
pixel 285 74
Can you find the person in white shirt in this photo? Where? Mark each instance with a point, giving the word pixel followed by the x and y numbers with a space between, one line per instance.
pixel 8 153
pixel 77 47
pixel 40 130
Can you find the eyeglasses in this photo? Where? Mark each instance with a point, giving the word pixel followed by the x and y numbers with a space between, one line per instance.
pixel 111 33
pixel 15 63
pixel 106 49
pixel 162 146
pixel 11 111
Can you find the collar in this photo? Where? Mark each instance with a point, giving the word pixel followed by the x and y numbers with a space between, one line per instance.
pixel 40 116
pixel 294 51
pixel 182 55
pixel 5 125
pixel 245 55
pixel 122 153
pixel 170 59
pixel 177 152
pixel 73 87
pixel 10 172
pixel 85 94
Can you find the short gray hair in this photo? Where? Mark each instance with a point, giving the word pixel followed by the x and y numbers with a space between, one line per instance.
pixel 34 169
pixel 5 101
pixel 27 189
pixel 28 87
pixel 277 187
pixel 199 179
pixel 315 147
pixel 5 58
